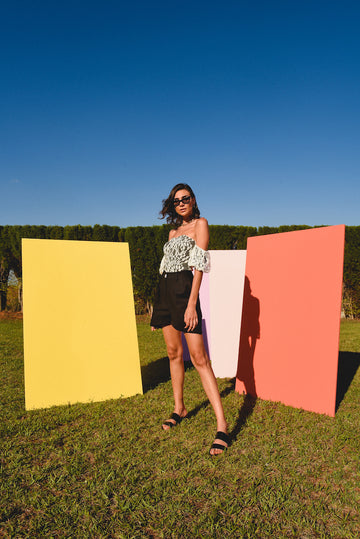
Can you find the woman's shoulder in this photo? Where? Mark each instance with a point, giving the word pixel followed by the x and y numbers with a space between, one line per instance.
pixel 201 224
pixel 201 221
pixel 202 232
pixel 172 233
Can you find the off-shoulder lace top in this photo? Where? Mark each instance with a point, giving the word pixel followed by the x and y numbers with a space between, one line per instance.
pixel 182 253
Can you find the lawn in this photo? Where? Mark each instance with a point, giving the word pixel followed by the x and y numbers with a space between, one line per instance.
pixel 108 470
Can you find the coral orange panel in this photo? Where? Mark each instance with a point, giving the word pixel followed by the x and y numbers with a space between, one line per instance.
pixel 289 341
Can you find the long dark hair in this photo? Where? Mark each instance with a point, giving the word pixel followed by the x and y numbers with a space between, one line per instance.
pixel 168 208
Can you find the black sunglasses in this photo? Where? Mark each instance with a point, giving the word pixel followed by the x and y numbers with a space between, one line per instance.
pixel 184 200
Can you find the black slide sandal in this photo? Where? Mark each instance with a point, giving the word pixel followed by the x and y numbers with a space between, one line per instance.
pixel 177 420
pixel 223 437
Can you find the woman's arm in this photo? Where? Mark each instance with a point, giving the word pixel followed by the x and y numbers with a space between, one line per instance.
pixel 202 240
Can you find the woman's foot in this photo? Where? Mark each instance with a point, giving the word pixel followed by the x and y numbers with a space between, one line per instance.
pixel 221 443
pixel 175 419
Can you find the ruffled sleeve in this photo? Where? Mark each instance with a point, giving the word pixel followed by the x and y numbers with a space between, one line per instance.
pixel 162 265
pixel 199 259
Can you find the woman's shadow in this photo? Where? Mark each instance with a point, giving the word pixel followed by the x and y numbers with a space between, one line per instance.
pixel 249 334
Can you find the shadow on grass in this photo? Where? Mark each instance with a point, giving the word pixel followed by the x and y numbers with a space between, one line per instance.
pixel 155 373
pixel 348 364
pixel 245 412
pixel 158 372
pixel 206 402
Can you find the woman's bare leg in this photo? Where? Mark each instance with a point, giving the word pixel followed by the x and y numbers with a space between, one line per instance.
pixel 202 364
pixel 175 352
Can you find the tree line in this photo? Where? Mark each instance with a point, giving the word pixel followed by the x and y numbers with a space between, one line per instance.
pixel 146 244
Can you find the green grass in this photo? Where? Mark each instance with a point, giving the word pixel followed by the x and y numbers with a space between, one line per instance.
pixel 108 470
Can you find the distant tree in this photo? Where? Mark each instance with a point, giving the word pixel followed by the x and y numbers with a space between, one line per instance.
pixel 265 230
pixel 78 232
pixel 10 258
pixel 222 237
pixel 351 292
pixel 143 262
pixel 99 233
pixel 4 268
pixel 55 233
pixel 292 228
pixel 105 233
pixel 121 235
pixel 242 234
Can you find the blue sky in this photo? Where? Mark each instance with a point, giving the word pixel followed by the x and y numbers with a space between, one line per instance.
pixel 106 105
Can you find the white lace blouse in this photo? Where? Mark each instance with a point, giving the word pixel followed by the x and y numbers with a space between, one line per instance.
pixel 181 253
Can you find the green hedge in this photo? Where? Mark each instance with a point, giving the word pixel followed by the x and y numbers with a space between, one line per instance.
pixel 146 243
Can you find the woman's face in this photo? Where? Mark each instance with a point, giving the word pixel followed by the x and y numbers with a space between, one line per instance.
pixel 183 204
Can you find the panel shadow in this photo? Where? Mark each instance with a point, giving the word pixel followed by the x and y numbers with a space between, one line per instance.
pixel 157 372
pixel 229 389
pixel 348 365
pixel 249 334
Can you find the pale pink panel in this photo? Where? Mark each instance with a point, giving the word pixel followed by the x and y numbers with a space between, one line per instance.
pixel 226 298
pixel 291 318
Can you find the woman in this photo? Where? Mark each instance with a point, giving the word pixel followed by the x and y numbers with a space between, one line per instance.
pixel 177 306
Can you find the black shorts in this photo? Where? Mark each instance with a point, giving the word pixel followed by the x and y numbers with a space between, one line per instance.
pixel 171 301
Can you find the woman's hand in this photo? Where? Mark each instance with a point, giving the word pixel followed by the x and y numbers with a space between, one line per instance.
pixel 190 318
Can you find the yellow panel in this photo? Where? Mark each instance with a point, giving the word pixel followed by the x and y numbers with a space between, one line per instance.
pixel 80 339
